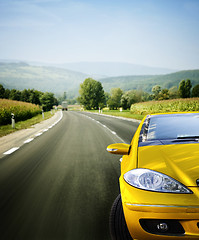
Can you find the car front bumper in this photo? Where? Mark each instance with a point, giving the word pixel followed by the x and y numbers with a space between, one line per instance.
pixel 179 212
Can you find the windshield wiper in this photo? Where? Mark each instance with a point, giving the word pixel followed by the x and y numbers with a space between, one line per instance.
pixel 187 138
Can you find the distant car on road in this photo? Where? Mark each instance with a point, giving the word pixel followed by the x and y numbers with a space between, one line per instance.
pixel 159 180
pixel 64 106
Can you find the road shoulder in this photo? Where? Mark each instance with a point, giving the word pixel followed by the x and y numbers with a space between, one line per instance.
pixel 14 141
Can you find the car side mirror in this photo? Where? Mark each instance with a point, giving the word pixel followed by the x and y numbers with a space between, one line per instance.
pixel 119 148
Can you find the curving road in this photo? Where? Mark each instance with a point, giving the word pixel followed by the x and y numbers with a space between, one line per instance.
pixel 62 184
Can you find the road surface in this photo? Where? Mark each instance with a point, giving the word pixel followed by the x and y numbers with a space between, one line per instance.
pixel 61 185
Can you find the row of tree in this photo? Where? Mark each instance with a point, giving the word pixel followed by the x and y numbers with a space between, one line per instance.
pixel 92 95
pixel 185 90
pixel 47 100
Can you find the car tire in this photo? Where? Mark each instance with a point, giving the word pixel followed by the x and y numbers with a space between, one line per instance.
pixel 117 223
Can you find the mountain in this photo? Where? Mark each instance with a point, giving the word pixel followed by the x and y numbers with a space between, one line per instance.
pixel 146 82
pixel 114 69
pixel 21 76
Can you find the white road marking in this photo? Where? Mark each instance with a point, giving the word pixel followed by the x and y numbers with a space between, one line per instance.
pixel 29 140
pixel 114 133
pixel 38 134
pixel 122 118
pixel 11 150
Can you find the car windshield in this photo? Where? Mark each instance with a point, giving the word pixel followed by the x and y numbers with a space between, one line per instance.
pixel 172 126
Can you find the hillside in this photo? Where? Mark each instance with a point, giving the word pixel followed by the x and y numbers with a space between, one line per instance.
pixel 147 82
pixel 113 69
pixel 51 79
pixel 58 80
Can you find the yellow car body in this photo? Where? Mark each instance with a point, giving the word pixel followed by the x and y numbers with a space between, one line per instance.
pixel 160 215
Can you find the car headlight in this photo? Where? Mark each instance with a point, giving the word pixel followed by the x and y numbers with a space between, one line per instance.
pixel 154 181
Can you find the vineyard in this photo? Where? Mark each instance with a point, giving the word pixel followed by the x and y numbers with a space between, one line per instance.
pixel 21 110
pixel 175 105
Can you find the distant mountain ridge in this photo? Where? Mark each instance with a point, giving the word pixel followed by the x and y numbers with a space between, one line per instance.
pixel 21 75
pixel 146 82
pixel 115 68
pixel 51 79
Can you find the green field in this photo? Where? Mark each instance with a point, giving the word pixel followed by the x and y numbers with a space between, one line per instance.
pixel 175 105
pixel 26 115
pixel 21 110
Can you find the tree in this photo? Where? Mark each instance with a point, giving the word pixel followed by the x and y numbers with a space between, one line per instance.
pixel 160 94
pixel 31 96
pixel 48 101
pixel 125 99
pixel 156 90
pixel 114 101
pixel 7 94
pixel 25 96
pixel 15 95
pixel 91 94
pixel 107 97
pixel 2 91
pixel 131 97
pixel 188 87
pixel 164 94
pixel 173 92
pixel 185 89
pixel 195 91
pixel 35 96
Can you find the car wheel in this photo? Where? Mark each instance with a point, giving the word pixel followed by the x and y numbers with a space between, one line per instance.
pixel 117 223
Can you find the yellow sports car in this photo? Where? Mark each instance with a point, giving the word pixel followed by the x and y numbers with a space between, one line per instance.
pixel 159 180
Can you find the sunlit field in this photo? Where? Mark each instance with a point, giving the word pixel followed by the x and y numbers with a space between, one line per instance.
pixel 175 105
pixel 21 110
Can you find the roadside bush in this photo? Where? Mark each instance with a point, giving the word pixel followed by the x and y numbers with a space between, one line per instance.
pixel 21 110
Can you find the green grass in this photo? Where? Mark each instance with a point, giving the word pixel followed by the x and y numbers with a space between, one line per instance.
pixel 139 110
pixel 7 129
pixel 117 113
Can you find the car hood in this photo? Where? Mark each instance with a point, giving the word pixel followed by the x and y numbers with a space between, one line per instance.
pixel 179 161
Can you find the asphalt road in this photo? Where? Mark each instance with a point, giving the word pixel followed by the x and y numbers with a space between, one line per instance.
pixel 62 184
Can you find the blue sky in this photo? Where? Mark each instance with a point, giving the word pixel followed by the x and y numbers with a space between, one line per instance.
pixel 159 33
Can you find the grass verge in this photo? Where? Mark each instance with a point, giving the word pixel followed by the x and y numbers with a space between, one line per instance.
pixel 7 129
pixel 139 110
pixel 117 113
